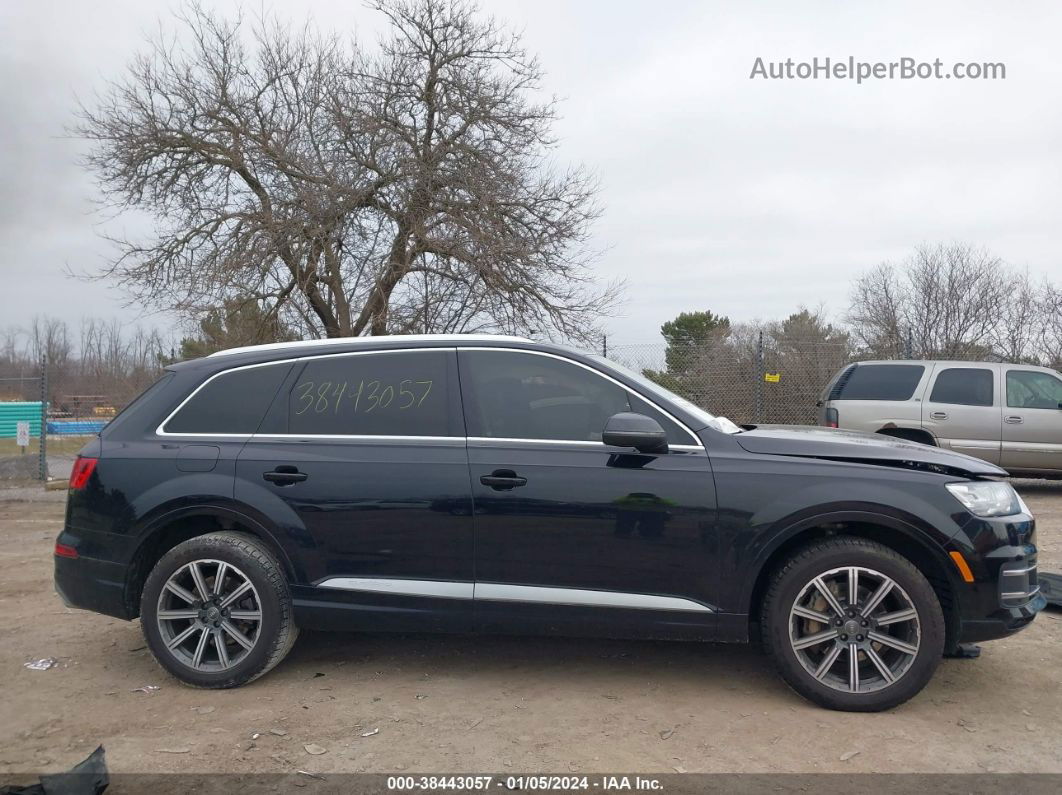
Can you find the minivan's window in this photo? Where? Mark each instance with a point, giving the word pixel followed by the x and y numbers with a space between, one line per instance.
pixel 395 393
pixel 232 402
pixel 878 382
pixel 963 386
pixel 512 395
pixel 1028 389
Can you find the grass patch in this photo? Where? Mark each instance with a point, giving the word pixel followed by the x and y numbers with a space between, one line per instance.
pixel 57 445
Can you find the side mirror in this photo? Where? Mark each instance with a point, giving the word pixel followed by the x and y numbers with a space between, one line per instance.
pixel 642 433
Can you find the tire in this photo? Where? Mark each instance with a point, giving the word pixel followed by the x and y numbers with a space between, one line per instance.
pixel 818 664
pixel 215 643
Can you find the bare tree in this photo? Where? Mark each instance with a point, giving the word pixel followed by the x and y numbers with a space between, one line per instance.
pixel 1049 341
pixel 943 301
pixel 103 358
pixel 351 192
pixel 1021 316
pixel 876 312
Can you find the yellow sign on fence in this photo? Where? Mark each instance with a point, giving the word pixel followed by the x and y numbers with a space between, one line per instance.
pixel 772 378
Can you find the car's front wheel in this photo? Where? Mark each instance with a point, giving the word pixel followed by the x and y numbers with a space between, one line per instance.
pixel 216 611
pixel 852 625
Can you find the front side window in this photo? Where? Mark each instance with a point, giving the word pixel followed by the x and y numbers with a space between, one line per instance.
pixel 1028 389
pixel 963 386
pixel 232 402
pixel 513 395
pixel 393 393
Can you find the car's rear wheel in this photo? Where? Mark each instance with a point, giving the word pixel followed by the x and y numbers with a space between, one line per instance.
pixel 852 625
pixel 216 611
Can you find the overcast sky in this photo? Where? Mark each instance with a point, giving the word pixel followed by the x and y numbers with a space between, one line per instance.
pixel 746 197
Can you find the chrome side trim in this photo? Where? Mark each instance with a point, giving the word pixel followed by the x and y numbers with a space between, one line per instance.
pixel 443 589
pixel 1020 594
pixel 1014 572
pixel 606 376
pixel 497 592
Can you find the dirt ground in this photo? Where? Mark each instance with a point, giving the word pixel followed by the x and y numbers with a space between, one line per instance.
pixel 492 704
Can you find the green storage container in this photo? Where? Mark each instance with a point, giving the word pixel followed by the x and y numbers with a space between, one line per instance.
pixel 13 413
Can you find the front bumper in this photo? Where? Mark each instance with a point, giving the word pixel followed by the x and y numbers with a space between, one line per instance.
pixel 1005 595
pixel 1003 623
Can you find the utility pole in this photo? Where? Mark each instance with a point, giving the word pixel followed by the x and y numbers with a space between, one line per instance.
pixel 761 376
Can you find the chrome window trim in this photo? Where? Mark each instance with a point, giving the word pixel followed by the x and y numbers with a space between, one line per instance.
pixel 294 360
pixel 501 592
pixel 391 437
pixel 405 338
pixel 505 440
pixel 159 430
pixel 448 441
pixel 596 372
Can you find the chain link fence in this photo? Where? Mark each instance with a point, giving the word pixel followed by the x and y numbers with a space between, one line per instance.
pixel 23 423
pixel 751 377
pixel 754 377
pixel 755 380
pixel 45 421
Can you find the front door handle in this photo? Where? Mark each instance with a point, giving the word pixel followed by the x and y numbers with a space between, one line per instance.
pixel 1013 420
pixel 503 480
pixel 285 476
pixel 938 415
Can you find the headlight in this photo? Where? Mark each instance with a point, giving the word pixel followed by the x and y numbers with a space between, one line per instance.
pixel 987 497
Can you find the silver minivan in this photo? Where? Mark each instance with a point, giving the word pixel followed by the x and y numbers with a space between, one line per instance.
pixel 1008 414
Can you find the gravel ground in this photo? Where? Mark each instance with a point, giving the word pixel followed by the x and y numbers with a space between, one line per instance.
pixel 382 703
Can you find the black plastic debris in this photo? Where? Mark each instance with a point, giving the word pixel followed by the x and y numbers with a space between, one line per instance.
pixel 1051 588
pixel 87 777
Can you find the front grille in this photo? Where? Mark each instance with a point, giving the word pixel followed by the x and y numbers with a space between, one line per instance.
pixel 1018 583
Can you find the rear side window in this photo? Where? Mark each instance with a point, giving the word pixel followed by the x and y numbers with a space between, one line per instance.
pixel 137 402
pixel 878 382
pixel 394 393
pixel 963 386
pixel 231 402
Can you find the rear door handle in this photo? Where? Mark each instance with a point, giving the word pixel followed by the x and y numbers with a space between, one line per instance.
pixel 285 476
pixel 503 480
pixel 1013 420
pixel 938 415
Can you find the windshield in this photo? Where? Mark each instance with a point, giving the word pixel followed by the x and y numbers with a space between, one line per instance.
pixel 710 420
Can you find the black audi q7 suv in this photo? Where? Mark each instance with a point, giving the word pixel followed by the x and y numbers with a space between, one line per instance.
pixel 464 483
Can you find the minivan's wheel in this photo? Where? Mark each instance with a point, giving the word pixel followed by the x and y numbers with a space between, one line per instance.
pixel 852 625
pixel 216 611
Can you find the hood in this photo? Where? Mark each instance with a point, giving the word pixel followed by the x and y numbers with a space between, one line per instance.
pixel 870 448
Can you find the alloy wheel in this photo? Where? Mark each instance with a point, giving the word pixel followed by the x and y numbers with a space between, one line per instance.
pixel 854 629
pixel 209 615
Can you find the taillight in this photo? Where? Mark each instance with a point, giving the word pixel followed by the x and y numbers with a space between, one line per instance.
pixel 82 471
pixel 831 419
pixel 65 550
